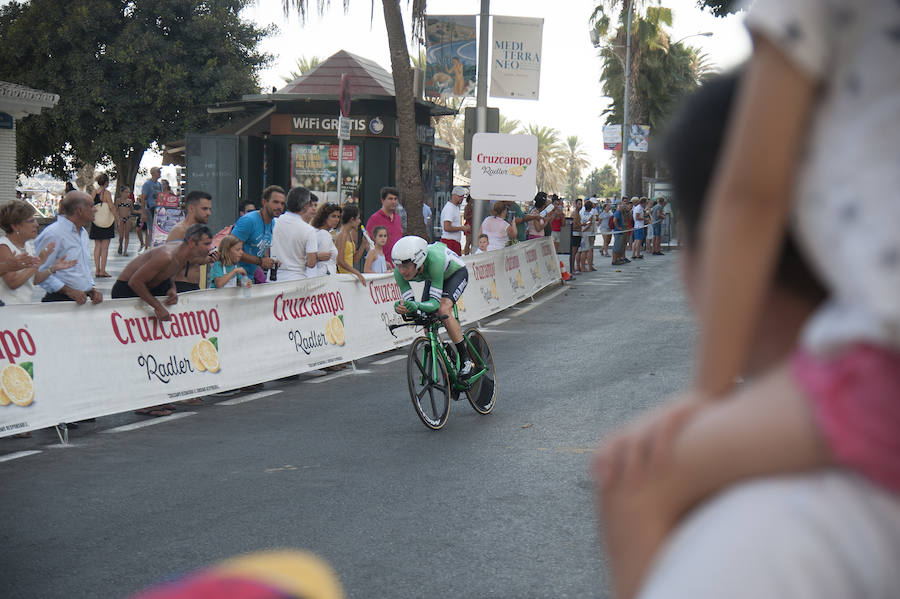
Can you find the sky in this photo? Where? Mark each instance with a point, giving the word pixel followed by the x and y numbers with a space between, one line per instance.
pixel 571 95
pixel 571 98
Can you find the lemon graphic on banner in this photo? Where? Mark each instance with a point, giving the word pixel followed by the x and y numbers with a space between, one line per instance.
pixel 519 278
pixel 537 270
pixel 16 385
pixel 461 305
pixel 494 293
pixel 334 331
pixel 196 362
pixel 207 354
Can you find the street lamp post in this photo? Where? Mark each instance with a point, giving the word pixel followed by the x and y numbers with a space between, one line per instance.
pixel 625 100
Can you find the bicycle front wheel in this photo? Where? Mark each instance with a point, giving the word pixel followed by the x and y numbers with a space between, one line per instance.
pixel 429 384
pixel 482 394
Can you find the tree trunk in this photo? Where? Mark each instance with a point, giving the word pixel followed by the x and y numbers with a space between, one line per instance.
pixel 412 192
pixel 127 169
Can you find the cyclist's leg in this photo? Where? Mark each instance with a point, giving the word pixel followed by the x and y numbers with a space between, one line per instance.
pixel 452 291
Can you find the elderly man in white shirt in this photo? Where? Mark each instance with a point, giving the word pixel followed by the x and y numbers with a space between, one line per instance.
pixel 293 238
pixel 68 233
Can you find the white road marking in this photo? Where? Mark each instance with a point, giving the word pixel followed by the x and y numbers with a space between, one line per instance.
pixel 336 375
pixel 534 305
pixel 251 397
pixel 146 423
pixel 389 359
pixel 499 321
pixel 18 454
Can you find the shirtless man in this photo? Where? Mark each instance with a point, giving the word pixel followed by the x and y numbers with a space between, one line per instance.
pixel 197 210
pixel 150 274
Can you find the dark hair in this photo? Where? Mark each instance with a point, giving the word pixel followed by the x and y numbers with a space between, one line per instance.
pixel 196 233
pixel 194 197
pixel 540 200
pixel 242 207
pixel 385 191
pixel 102 179
pixel 350 212
pixel 691 147
pixel 322 214
pixel 268 191
pixel 588 205
pixel 377 229
pixel 69 187
pixel 14 212
pixel 297 199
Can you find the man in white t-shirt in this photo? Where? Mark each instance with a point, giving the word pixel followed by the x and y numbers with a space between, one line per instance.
pixel 293 238
pixel 451 221
pixel 640 233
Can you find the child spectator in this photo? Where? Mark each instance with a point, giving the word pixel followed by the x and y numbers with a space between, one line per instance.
pixel 226 272
pixel 834 401
pixel 327 218
pixel 482 244
pixel 375 261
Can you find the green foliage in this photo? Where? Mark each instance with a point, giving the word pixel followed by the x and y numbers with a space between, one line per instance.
pixel 550 158
pixel 575 160
pixel 602 183
pixel 129 74
pixel 304 65
pixel 720 8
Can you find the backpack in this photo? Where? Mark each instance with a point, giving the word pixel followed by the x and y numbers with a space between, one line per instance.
pixel 612 222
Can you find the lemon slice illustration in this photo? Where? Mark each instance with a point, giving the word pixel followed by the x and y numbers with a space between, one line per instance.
pixel 196 362
pixel 519 278
pixel 336 327
pixel 461 305
pixel 494 293
pixel 537 270
pixel 17 385
pixel 4 400
pixel 208 355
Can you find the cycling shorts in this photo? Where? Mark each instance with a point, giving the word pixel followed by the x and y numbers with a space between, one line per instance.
pixel 454 286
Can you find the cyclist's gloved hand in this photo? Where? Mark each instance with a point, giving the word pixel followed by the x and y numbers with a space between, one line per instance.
pixel 410 305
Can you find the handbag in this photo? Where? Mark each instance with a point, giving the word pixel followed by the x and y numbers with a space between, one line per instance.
pixel 104 217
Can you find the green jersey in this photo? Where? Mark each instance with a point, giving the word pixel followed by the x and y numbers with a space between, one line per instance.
pixel 440 263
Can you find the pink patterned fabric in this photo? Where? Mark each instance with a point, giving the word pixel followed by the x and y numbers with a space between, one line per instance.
pixel 855 396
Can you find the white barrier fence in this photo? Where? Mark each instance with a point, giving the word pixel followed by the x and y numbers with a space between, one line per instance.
pixel 61 362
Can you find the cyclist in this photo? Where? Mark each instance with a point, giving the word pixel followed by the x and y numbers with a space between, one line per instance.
pixel 445 277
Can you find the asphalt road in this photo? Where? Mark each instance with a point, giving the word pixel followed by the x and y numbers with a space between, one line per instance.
pixel 496 506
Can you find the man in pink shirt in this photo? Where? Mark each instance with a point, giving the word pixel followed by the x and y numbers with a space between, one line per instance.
pixel 387 217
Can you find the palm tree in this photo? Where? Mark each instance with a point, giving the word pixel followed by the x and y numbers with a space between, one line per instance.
pixel 660 75
pixel 410 180
pixel 576 160
pixel 304 65
pixel 509 126
pixel 550 158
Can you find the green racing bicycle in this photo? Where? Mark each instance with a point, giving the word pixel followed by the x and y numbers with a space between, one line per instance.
pixel 432 370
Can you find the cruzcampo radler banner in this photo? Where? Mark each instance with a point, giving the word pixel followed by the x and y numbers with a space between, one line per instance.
pixel 504 167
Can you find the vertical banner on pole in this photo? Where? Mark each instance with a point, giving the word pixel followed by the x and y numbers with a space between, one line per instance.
pixel 450 56
pixel 516 57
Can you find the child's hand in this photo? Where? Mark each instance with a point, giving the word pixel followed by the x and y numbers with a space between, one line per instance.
pixel 644 444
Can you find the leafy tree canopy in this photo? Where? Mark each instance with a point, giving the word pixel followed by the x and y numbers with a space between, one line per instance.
pixel 720 8
pixel 129 73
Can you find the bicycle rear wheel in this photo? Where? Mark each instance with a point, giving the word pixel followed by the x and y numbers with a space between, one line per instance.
pixel 429 384
pixel 482 394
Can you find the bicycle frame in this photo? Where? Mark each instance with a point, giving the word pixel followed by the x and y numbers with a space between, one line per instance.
pixel 432 325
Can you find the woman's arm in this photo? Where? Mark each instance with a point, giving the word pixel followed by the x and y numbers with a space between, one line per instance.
pixel 749 203
pixel 15 278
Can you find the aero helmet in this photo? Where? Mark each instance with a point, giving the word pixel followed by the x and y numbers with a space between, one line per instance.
pixel 409 249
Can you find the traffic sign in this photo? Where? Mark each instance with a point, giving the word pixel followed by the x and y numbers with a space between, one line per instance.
pixel 343 128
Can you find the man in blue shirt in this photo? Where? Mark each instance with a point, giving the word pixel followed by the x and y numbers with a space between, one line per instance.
pixel 70 240
pixel 254 229
pixel 149 190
